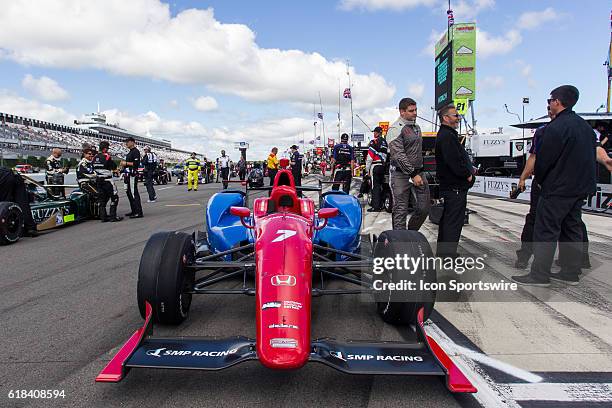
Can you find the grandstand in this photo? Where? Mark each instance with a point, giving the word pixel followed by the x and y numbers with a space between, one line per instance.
pixel 19 136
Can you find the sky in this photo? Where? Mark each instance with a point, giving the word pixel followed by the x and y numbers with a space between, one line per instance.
pixel 207 74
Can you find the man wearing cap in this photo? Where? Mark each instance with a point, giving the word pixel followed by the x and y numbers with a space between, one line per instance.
pixel 406 167
pixel 104 167
pixel 296 167
pixel 131 164
pixel 149 163
pixel 375 166
pixel 343 164
pixel 192 167
pixel 272 165
pixel 54 173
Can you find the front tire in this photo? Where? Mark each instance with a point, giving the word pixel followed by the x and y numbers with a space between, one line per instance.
pixel 163 278
pixel 11 222
pixel 402 308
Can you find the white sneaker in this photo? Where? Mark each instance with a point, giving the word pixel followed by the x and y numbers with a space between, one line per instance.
pixel 151 201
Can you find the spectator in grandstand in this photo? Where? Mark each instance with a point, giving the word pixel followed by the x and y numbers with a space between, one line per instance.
pixel 54 172
pixel 272 164
pixel 149 163
pixel 131 164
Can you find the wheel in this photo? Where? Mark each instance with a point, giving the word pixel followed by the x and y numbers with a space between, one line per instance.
pixel 388 202
pixel 11 222
pixel 163 279
pixel 401 307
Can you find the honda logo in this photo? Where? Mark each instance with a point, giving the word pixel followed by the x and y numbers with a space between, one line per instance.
pixel 283 280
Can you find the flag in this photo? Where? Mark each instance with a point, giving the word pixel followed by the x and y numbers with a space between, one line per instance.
pixel 451 18
pixel 315 123
pixel 319 137
pixel 311 142
pixel 347 93
pixel 320 115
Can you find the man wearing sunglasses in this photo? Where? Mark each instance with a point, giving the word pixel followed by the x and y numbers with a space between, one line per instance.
pixel 455 174
pixel 565 170
pixel 406 166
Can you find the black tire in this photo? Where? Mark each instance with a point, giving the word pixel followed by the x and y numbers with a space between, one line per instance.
pixel 388 202
pixel 397 308
pixel 11 222
pixel 163 278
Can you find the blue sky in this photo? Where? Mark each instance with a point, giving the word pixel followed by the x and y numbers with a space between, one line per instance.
pixel 206 74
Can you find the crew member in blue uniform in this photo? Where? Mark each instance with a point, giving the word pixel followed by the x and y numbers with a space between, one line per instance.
pixel 343 164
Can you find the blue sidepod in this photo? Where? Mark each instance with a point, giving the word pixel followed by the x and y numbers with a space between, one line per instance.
pixel 225 230
pixel 342 231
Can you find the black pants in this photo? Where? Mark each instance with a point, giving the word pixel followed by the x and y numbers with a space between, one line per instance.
pixel 107 192
pixel 225 176
pixel 133 195
pixel 242 175
pixel 12 188
pixel 149 184
pixel 272 175
pixel 345 175
pixel 526 250
pixel 378 179
pixel 451 223
pixel 56 179
pixel 558 219
pixel 297 177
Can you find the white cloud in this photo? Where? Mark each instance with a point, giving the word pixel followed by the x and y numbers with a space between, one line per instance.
pixel 374 5
pixel 205 103
pixel 173 103
pixel 416 91
pixel 17 105
pixel 44 88
pixel 491 83
pixel 141 38
pixel 533 19
pixel 525 70
pixel 488 45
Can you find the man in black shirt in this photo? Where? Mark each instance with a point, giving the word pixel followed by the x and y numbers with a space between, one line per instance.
pixel 131 163
pixel 149 162
pixel 454 171
pixel 375 165
pixel 565 169
pixel 296 167
pixel 104 166
pixel 343 164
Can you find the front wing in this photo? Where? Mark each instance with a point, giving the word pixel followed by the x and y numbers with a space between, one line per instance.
pixel 424 357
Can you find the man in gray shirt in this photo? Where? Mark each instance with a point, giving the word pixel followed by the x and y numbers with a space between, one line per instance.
pixel 406 158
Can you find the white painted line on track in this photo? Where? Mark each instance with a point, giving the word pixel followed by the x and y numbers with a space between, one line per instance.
pixel 165 188
pixel 563 392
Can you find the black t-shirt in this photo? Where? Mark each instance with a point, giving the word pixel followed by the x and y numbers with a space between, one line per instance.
pixel 133 156
pixel 344 154
pixel 296 162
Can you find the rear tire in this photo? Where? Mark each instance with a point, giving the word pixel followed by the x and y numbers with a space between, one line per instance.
pixel 11 222
pixel 398 309
pixel 163 278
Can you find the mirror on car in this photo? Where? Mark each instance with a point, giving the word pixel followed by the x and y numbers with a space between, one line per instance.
pixel 241 212
pixel 325 213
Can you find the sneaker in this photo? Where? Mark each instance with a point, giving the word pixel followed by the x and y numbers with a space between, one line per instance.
pixel 360 195
pixel 136 216
pixel 152 201
pixel 129 214
pixel 568 281
pixel 373 210
pixel 521 263
pixel 188 189
pixel 116 219
pixel 528 280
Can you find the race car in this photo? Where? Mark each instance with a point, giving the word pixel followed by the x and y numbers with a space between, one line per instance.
pixel 283 251
pixel 48 210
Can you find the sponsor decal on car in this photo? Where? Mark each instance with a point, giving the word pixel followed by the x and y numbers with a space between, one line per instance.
pixel 283 280
pixel 282 326
pixel 285 304
pixel 283 235
pixel 376 357
pixel 270 305
pixel 164 352
pixel 283 343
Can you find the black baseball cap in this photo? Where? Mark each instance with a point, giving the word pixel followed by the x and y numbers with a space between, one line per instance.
pixel 344 136
pixel 294 147
pixel 378 129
